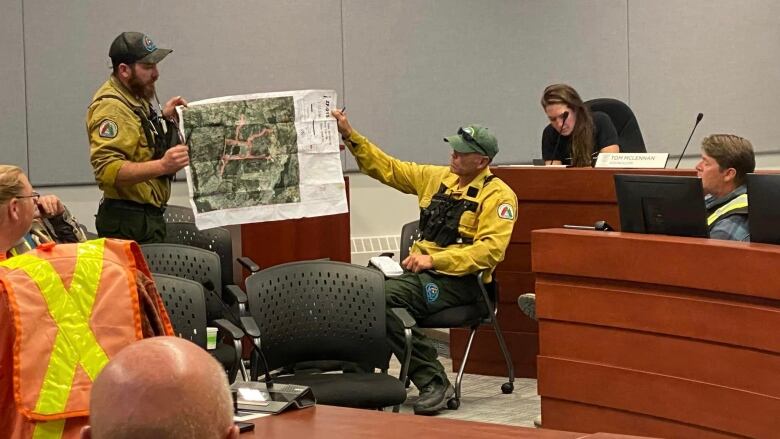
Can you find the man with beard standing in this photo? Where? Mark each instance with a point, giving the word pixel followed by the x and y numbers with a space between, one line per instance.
pixel 134 150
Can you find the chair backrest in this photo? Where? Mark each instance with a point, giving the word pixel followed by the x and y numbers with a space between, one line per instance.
pixel 196 264
pixel 320 311
pixel 625 123
pixel 178 214
pixel 185 302
pixel 409 233
pixel 216 239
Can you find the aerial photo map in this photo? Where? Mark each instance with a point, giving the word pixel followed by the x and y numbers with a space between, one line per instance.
pixel 263 157
pixel 243 153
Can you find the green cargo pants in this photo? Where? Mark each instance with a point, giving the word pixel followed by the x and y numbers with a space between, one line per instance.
pixel 423 294
pixel 123 219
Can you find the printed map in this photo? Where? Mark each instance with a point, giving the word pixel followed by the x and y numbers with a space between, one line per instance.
pixel 263 157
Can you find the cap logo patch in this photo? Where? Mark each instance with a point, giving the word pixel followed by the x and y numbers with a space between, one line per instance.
pixel 149 44
pixel 469 130
pixel 506 211
pixel 108 129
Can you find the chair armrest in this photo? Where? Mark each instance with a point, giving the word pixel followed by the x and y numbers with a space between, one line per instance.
pixel 248 263
pixel 235 293
pixel 250 326
pixel 403 315
pixel 234 330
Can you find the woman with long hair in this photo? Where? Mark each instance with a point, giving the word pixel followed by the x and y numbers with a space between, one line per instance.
pixel 575 133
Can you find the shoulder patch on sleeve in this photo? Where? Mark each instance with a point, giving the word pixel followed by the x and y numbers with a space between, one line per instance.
pixel 506 211
pixel 108 129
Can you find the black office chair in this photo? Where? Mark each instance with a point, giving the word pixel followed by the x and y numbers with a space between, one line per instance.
pixel 216 239
pixel 312 317
pixel 178 214
pixel 629 134
pixel 464 316
pixel 204 267
pixel 185 301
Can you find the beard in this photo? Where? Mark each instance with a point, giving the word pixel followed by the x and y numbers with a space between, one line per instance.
pixel 139 88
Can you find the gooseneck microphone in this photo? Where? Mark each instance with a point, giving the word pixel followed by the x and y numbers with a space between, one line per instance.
pixel 251 329
pixel 698 119
pixel 558 142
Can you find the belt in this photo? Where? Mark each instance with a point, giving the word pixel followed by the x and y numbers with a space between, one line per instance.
pixel 132 205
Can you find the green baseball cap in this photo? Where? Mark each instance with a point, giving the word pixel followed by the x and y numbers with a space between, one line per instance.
pixel 474 138
pixel 132 47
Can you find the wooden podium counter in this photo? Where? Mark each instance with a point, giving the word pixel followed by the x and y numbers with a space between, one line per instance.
pixel 547 197
pixel 658 336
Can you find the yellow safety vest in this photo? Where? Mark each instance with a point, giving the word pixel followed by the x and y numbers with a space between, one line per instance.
pixel 738 205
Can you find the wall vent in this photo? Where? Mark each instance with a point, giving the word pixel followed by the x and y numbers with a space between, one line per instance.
pixel 366 247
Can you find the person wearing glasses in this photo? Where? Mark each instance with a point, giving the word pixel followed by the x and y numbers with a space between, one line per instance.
pixel 134 150
pixel 466 219
pixel 575 134
pixel 28 218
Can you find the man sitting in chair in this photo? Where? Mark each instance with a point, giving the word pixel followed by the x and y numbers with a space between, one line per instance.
pixel 28 219
pixel 466 220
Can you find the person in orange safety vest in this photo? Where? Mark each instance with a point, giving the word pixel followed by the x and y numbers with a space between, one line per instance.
pixel 65 310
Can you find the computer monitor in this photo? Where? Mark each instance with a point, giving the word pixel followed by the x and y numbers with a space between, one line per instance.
pixel 667 205
pixel 764 207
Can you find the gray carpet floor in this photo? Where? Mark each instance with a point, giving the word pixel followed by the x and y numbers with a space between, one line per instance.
pixel 482 399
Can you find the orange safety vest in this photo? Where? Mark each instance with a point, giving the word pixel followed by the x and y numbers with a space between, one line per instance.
pixel 65 310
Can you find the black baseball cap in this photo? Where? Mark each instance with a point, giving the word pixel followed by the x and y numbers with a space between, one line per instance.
pixel 133 47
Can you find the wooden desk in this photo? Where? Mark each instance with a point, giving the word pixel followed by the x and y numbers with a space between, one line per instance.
pixel 324 422
pixel 657 335
pixel 546 197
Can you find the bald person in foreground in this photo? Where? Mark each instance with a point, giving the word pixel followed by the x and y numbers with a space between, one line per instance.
pixel 161 387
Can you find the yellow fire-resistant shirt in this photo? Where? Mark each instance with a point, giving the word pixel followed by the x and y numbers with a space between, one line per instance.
pixel 115 137
pixel 489 228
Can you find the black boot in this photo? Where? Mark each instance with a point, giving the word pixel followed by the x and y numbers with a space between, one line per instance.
pixel 434 396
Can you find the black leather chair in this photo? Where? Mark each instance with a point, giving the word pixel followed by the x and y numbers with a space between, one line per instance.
pixel 312 318
pixel 185 301
pixel 466 316
pixel 629 134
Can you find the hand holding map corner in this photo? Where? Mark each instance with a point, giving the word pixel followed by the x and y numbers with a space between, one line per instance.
pixel 345 129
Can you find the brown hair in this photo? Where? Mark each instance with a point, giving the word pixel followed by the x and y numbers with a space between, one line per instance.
pixel 10 182
pixel 731 151
pixel 582 135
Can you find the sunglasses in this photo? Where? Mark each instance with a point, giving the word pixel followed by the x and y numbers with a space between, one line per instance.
pixel 469 138
pixel 35 196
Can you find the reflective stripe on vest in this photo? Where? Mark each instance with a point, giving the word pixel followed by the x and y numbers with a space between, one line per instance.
pixel 49 430
pixel 75 343
pixel 740 202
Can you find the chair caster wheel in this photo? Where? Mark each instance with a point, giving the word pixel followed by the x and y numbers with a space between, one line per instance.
pixel 453 404
pixel 507 388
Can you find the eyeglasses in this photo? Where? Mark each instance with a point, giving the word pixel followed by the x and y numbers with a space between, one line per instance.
pixel 35 196
pixel 469 138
